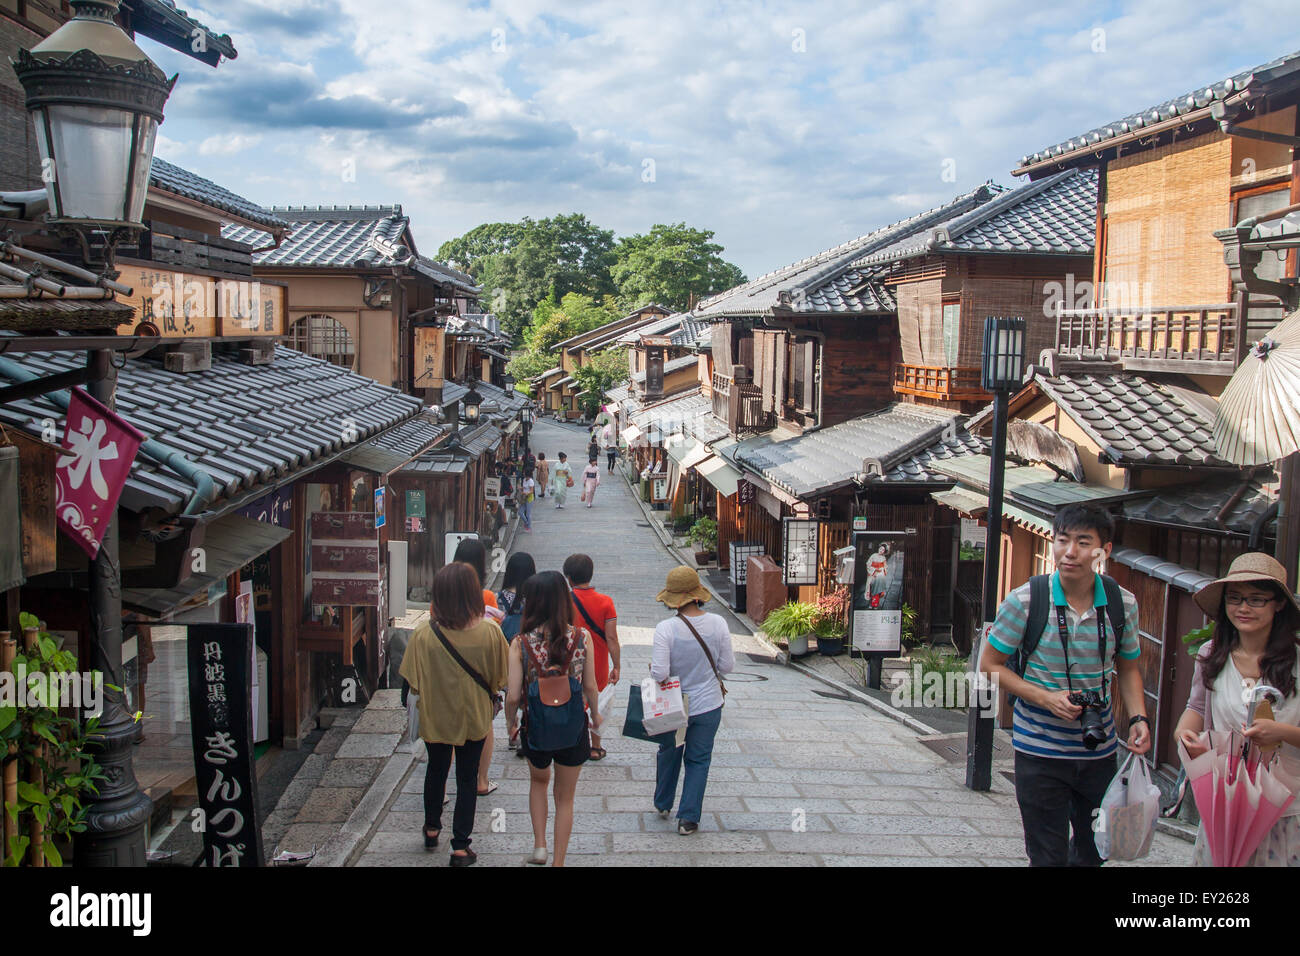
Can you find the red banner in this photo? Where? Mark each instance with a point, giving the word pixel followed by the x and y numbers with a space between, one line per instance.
pixel 98 449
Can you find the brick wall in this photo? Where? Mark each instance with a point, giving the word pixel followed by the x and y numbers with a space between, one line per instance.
pixel 20 165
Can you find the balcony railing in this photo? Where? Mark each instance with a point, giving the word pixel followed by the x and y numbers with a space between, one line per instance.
pixel 1187 338
pixel 939 382
pixel 188 249
pixel 740 406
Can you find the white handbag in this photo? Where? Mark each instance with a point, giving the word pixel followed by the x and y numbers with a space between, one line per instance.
pixel 412 717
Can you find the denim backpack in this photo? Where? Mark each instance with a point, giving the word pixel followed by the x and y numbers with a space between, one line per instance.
pixel 514 611
pixel 556 717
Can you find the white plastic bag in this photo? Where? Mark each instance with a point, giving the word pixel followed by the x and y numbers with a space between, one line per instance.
pixel 605 706
pixel 412 717
pixel 1126 821
pixel 662 705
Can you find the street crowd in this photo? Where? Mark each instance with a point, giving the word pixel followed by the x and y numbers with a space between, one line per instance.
pixel 544 649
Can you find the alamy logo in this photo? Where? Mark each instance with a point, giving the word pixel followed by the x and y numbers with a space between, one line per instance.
pixel 76 909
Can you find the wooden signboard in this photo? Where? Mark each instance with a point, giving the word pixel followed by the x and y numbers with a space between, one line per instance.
pixel 36 498
pixel 190 305
pixel 429 358
pixel 344 559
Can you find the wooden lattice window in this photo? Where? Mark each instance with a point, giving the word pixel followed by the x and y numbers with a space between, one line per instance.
pixel 323 337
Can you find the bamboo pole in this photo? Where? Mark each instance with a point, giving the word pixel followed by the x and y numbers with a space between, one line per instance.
pixel 34 776
pixel 8 650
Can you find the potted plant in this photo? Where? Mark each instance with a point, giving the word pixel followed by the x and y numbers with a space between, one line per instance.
pixel 830 623
pixel 910 638
pixel 704 535
pixel 792 623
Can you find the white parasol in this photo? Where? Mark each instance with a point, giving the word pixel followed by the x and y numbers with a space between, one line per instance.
pixel 1259 412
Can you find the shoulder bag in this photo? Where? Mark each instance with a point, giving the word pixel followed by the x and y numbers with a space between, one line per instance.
pixel 707 653
pixel 497 702
pixel 595 628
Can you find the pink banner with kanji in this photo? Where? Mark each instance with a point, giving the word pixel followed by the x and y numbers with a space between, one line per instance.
pixel 98 449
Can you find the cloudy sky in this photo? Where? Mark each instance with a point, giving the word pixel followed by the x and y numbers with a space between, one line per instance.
pixel 784 127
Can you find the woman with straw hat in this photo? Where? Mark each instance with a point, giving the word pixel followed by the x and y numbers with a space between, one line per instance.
pixel 1256 618
pixel 694 646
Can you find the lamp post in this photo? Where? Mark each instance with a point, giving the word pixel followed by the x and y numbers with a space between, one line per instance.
pixel 1000 373
pixel 472 401
pixel 96 101
pixel 526 419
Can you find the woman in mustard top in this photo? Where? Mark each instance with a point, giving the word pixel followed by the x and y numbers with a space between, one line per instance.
pixel 456 662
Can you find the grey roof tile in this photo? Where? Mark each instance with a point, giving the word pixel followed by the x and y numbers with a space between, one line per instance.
pixel 182 182
pixel 241 451
pixel 1135 420
pixel 1095 139
pixel 1199 505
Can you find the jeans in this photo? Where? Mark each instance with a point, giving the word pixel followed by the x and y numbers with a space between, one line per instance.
pixel 698 754
pixel 612 456
pixel 435 788
pixel 1055 795
pixel 526 512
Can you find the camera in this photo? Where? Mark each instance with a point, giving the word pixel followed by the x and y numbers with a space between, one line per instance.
pixel 1090 720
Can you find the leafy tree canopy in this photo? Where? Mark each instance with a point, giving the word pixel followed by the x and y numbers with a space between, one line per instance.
pixel 672 265
pixel 602 371
pixel 575 313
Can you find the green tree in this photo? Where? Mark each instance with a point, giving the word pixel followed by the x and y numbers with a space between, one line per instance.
pixel 526 366
pixel 575 313
pixel 602 371
pixel 670 265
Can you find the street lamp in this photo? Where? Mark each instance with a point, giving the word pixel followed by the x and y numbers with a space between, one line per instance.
pixel 508 382
pixel 96 100
pixel 526 419
pixel 1001 369
pixel 472 401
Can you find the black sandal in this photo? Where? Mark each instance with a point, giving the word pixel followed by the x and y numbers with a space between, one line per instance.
pixel 598 753
pixel 431 841
pixel 467 860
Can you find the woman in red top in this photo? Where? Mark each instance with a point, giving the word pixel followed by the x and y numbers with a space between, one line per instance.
pixel 601 620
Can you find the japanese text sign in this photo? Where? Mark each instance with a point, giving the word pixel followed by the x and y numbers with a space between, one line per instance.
pixel 98 448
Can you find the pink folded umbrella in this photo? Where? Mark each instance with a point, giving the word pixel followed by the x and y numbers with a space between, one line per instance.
pixel 1239 799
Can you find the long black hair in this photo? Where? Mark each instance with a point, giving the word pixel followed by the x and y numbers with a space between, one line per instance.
pixel 1277 666
pixel 471 551
pixel 519 569
pixel 548 605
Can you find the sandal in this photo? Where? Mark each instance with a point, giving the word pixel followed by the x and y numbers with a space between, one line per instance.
pixel 431 841
pixel 467 859
pixel 492 786
pixel 598 753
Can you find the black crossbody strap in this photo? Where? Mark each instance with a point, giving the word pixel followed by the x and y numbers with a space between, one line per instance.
pixel 707 653
pixel 478 678
pixel 587 617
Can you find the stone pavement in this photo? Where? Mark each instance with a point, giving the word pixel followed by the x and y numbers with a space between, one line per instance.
pixel 801 776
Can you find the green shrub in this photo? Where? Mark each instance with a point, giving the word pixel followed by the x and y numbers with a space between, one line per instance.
pixel 791 620
pixel 704 534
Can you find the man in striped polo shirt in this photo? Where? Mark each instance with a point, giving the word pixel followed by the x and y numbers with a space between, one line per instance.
pixel 1059 781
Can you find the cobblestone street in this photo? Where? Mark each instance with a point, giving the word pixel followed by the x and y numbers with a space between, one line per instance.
pixel 801 774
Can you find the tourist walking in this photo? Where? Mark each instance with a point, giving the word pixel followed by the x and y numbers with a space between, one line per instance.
pixel 470 551
pixel 1255 622
pixel 695 647
pixel 510 598
pixel 590 479
pixel 561 481
pixel 527 491
pixel 456 662
pixel 550 646
pixel 611 449
pixel 593 447
pixel 543 474
pixel 596 612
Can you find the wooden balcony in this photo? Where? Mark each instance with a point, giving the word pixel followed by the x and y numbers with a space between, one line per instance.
pixel 740 406
pixel 1193 339
pixel 939 383
pixel 191 250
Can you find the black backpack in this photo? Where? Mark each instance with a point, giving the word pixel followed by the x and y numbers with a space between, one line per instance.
pixel 1040 607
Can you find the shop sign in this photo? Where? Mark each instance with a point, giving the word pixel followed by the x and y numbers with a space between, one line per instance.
pixel 415 504
pixel 492 488
pixel 800 538
pixel 220 679
pixel 36 498
pixel 182 304
pixel 381 513
pixel 275 508
pixel 344 559
pixel 878 591
pixel 429 357
pixel 98 448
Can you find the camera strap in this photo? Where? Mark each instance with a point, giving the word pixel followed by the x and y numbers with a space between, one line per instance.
pixel 1064 628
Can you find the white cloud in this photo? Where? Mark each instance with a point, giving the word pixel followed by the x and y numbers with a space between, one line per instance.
pixel 224 145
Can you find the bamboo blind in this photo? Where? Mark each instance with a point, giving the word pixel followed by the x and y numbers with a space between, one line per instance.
pixel 1162 207
pixel 920 322
pixel 985 297
pixel 1254 161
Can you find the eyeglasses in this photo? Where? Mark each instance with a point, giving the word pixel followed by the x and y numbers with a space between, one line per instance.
pixel 1254 600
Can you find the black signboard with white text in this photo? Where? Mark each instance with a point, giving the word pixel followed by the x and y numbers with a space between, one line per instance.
pixel 220 668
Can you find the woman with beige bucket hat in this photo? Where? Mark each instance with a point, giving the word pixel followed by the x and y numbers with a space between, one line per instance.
pixel 694 646
pixel 1256 618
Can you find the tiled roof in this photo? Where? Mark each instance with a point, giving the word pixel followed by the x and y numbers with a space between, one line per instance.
pixel 244 425
pixel 1137 420
pixel 348 237
pixel 497 402
pixel 398 445
pixel 671 415
pixel 707 428
pixel 182 182
pixel 811 285
pixel 1056 215
pixel 548 373
pixel 618 393
pixel 1198 99
pixel 1033 486
pixel 1199 505
pixel 161 20
pixel 483 438
pixel 897 443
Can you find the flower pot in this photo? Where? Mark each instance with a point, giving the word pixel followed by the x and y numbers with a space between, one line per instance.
pixel 830 646
pixel 704 557
pixel 798 646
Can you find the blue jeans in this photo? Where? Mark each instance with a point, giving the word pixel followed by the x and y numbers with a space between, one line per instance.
pixel 526 511
pixel 698 754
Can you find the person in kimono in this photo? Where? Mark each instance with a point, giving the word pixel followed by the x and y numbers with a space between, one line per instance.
pixel 561 475
pixel 590 479
pixel 877 568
